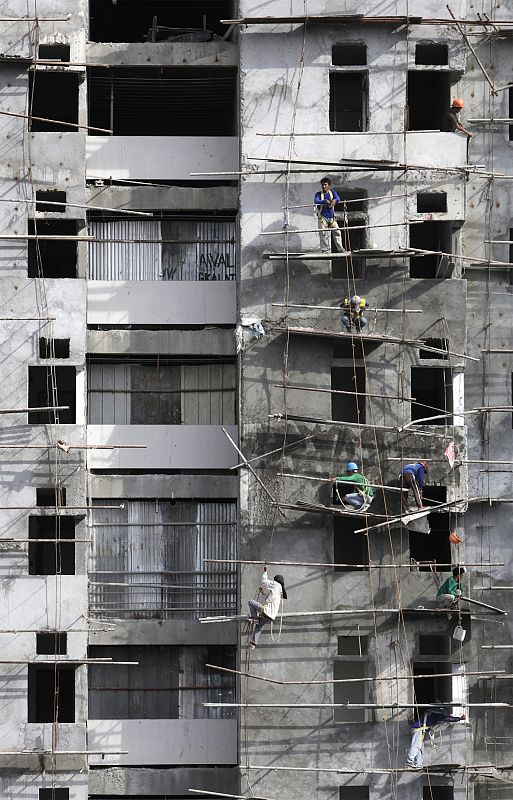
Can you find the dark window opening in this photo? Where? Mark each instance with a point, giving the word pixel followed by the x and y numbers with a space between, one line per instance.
pixel 434 644
pixel 348 348
pixel 433 236
pixel 436 493
pixel 349 54
pixel 353 793
pixel 57 556
pixel 54 794
pixel 348 101
pixel 431 202
pixel 158 20
pixel 52 386
pixel 430 550
pixel 440 344
pixel 54 52
pixel 54 96
pixel 432 389
pixel 428 99
pixel 46 198
pixel 349 547
pixel 51 496
pixel 437 792
pixel 170 101
pixel 431 53
pixel 353 645
pixel 511 114
pixel 51 693
pixel 432 689
pixel 353 215
pixel 50 643
pixel 348 407
pixel 52 258
pixel 53 348
pixel 351 662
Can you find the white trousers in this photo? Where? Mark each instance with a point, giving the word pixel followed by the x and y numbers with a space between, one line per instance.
pixel 415 755
pixel 327 229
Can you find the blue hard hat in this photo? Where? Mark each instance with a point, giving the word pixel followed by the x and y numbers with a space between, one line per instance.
pixel 351 465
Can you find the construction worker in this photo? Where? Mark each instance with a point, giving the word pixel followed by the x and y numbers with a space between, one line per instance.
pixel 423 723
pixel 353 312
pixel 451 123
pixel 412 477
pixel 450 591
pixel 363 494
pixel 325 202
pixel 260 613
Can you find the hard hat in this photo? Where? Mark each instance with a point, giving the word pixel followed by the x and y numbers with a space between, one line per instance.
pixel 350 466
pixel 454 538
pixel 356 300
pixel 457 103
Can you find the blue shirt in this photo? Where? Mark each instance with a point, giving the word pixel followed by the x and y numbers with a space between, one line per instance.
pixel 417 470
pixel 432 718
pixel 322 200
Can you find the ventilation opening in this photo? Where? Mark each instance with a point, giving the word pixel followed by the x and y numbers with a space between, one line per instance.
pixel 440 344
pixel 353 793
pixel 54 52
pixel 170 101
pixel 348 407
pixel 431 54
pixel 56 557
pixel 51 497
pixel 54 794
pixel 42 381
pixel 53 348
pixel 349 54
pixel 432 644
pixel 348 101
pixel 45 200
pixel 437 792
pixel 433 689
pixel 158 20
pixel 52 258
pixel 349 547
pixel 434 548
pixel 428 100
pixel 434 236
pixel 51 693
pixel 432 389
pixel 351 662
pixel 54 96
pixel 51 643
pixel 431 202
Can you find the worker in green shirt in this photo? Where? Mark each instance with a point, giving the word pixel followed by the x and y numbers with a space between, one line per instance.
pixel 363 494
pixel 450 591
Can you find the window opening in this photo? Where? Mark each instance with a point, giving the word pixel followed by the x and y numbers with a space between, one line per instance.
pixel 351 662
pixel 52 557
pixel 53 348
pixel 45 198
pixel 54 96
pixel 54 794
pixel 434 548
pixel 440 344
pixel 51 496
pixel 347 407
pixel 431 202
pixel 432 689
pixel 49 643
pixel 349 547
pixel 428 99
pixel 348 348
pixel 432 389
pixel 353 645
pixel 353 793
pixel 40 394
pixel 342 268
pixel 433 644
pixel 437 792
pixel 434 236
pixel 431 53
pixel 349 54
pixel 51 693
pixel 52 258
pixel 54 52
pixel 348 101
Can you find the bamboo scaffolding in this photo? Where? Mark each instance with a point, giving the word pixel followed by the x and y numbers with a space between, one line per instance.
pixel 393 770
pixel 53 661
pixel 334 480
pixel 276 450
pixel 33 408
pixel 336 613
pixel 55 122
pixel 338 308
pixel 42 446
pixel 491 121
pixel 411 565
pixel 459 461
pixel 405 518
pixel 497 350
pixel 45 237
pixel 361 165
pixel 375 706
pixel 36 19
pixel 52 507
pixel 357 425
pixel 57 540
pixel 248 465
pixel 352 19
pixel 470 47
pixel 497 647
pixel 375 253
pixel 223 794
pixel 344 202
pixel 16 200
pixel 27 319
pixel 454 414
pixel 289 232
pixel 342 391
pixel 55 753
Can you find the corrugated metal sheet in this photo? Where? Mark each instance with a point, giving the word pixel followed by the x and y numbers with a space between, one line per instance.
pixel 155 550
pixel 213 258
pixel 117 261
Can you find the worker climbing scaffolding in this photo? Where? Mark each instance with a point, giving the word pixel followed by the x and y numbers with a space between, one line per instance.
pixel 261 614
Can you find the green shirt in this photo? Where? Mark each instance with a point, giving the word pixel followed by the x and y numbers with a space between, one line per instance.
pixel 449 587
pixel 359 479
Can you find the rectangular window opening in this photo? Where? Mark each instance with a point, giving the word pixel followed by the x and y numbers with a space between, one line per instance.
pixel 431 54
pixel 436 237
pixel 54 97
pixel 348 407
pixel 434 644
pixel 428 99
pixel 349 547
pixel 41 395
pixel 53 794
pixel 349 54
pixel 432 792
pixel 52 258
pixel 45 200
pixel 348 101
pixel 57 556
pixel 353 645
pixel 432 389
pixel 440 344
pixel 54 52
pixel 432 689
pixel 353 793
pixel 431 202
pixel 351 662
pixel 350 349
pixel 51 693
pixel 51 496
pixel 53 348
pixel 430 550
pixel 354 215
pixel 50 643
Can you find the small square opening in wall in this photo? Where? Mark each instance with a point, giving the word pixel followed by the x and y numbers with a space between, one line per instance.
pixel 53 348
pixel 349 54
pixel 53 96
pixel 47 385
pixel 51 496
pixel 348 348
pixel 431 54
pixel 440 344
pixel 51 693
pixel 437 792
pixel 51 643
pixel 353 645
pixel 431 202
pixel 54 52
pixel 52 258
pixel 53 794
pixel 56 556
pixel 46 198
pixel 353 793
pixel 434 644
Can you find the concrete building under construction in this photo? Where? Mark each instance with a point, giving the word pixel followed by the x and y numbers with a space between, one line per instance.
pixel 179 392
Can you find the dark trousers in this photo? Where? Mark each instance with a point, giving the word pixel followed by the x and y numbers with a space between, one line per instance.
pixel 256 611
pixel 408 481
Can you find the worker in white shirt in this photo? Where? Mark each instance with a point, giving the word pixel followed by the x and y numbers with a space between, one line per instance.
pixel 268 611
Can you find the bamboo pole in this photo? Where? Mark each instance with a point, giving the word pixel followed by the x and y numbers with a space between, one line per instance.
pixel 363 19
pixel 370 706
pixel 455 414
pixel 52 661
pixel 42 446
pixel 404 518
pixel 337 613
pixel 398 253
pixel 45 237
pixel 344 202
pixel 55 122
pixel 36 19
pixel 276 450
pixel 223 794
pixel 337 308
pixel 357 425
pixel 483 605
pixel 74 205
pixel 334 480
pixel 26 319
pixel 55 753
pixel 33 408
pixel 52 507
pixel 497 647
pixel 342 391
pixel 248 465
pixel 360 771
pixel 348 229
pixel 472 50
pixel 329 565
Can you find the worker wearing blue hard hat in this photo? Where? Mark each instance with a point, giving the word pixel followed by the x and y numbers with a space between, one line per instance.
pixel 363 494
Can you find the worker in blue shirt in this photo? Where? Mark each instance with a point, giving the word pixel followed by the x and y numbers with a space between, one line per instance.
pixel 424 723
pixel 412 477
pixel 325 202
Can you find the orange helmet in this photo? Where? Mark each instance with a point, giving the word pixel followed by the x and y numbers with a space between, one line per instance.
pixel 457 103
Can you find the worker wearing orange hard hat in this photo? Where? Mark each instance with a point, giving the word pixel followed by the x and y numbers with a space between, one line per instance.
pixel 451 122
